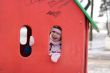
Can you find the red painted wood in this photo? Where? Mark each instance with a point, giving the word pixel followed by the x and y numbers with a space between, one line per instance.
pixel 41 15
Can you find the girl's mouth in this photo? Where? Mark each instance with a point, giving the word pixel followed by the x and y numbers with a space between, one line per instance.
pixel 54 38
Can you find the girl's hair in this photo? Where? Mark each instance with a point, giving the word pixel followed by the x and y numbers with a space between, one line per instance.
pixel 58 27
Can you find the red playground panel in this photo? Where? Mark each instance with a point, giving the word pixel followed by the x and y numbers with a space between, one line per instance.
pixel 41 16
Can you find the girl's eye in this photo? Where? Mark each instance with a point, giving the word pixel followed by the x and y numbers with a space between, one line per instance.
pixel 58 33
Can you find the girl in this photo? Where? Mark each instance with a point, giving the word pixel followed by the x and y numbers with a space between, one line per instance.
pixel 55 43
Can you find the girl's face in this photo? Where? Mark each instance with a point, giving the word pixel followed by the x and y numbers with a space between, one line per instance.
pixel 55 35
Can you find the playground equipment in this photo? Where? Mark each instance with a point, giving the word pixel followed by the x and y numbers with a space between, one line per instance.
pixel 40 16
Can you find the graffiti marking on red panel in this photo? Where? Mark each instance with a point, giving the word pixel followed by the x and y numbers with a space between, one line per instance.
pixel 54 13
pixel 59 3
pixel 35 1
